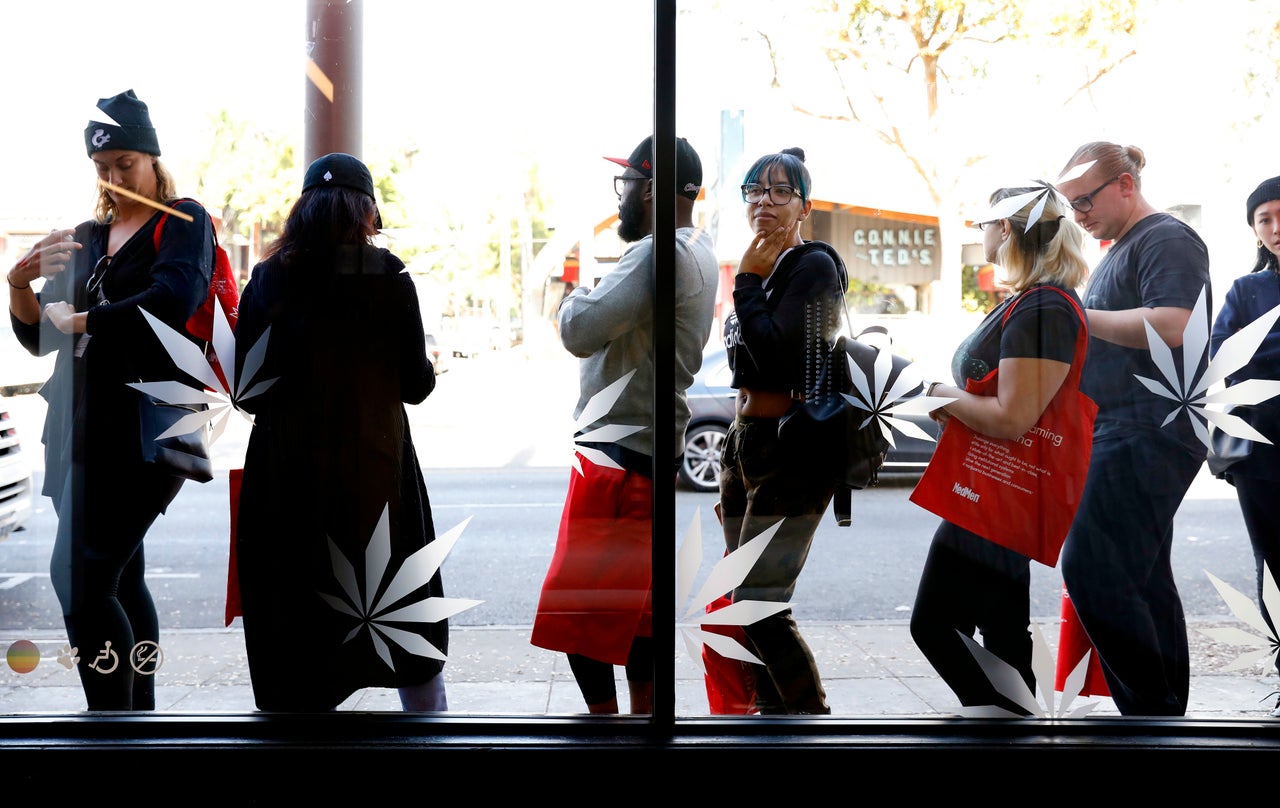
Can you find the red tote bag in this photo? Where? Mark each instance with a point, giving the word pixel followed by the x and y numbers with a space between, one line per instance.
pixel 1073 644
pixel 1021 494
pixel 233 576
pixel 731 685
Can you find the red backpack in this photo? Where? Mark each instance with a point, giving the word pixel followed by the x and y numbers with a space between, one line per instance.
pixel 223 287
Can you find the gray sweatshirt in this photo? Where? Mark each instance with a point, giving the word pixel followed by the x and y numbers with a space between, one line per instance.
pixel 611 329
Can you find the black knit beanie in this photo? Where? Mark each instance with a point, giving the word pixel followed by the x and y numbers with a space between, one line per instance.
pixel 132 130
pixel 1266 192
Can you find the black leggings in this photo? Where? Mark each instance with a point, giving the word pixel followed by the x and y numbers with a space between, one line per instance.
pixel 971 585
pixel 595 678
pixel 1261 511
pixel 97 571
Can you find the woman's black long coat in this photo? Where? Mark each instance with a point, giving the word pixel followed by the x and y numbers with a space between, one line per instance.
pixel 331 450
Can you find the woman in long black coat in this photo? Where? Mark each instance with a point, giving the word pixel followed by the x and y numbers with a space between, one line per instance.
pixel 333 503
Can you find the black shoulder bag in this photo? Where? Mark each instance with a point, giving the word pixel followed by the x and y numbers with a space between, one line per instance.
pixel 845 441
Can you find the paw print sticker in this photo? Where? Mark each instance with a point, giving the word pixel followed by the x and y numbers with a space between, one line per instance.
pixel 68 656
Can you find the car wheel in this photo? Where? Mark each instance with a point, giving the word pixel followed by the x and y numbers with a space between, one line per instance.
pixel 700 469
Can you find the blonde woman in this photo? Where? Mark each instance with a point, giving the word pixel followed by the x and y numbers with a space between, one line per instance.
pixel 970 584
pixel 97 278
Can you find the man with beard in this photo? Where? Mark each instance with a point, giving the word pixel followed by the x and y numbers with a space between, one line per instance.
pixel 596 601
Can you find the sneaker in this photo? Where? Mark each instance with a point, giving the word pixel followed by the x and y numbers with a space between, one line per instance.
pixel 1275 711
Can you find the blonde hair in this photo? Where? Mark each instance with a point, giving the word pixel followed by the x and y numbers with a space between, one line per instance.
pixel 1051 250
pixel 1111 160
pixel 166 192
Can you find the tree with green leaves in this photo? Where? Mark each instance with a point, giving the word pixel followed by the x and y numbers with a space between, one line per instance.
pixel 252 175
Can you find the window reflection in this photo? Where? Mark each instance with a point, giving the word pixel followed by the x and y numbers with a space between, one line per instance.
pixel 497 198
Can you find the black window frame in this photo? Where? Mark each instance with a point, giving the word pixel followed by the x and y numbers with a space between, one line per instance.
pixel 197 745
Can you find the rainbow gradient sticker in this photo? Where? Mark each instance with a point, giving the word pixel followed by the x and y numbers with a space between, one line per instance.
pixel 23 656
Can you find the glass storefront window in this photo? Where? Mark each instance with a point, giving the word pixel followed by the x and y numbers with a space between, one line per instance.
pixel 484 129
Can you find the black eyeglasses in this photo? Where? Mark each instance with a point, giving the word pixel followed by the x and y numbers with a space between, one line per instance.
pixel 1084 204
pixel 752 193
pixel 982 225
pixel 94 285
pixel 620 183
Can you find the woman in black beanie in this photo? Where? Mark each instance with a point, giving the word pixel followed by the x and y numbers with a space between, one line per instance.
pixel 1255 477
pixel 94 280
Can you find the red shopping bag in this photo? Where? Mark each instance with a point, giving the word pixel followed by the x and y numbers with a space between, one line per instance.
pixel 1073 644
pixel 731 685
pixel 233 579
pixel 1021 494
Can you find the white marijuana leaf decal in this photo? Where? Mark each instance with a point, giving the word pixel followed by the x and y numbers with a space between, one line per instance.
pixel 1244 608
pixel 883 398
pixel 375 606
pixel 1009 684
pixel 1192 395
pixel 728 573
pixel 221 397
pixel 597 407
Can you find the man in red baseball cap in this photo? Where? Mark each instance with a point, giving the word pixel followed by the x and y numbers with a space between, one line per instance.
pixel 596 601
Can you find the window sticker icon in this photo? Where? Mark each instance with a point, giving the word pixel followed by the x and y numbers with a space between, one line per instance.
pixel 23 656
pixel 105 656
pixel 146 657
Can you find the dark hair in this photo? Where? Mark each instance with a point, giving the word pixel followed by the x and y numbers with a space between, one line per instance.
pixel 1267 191
pixel 792 162
pixel 324 218
pixel 1265 260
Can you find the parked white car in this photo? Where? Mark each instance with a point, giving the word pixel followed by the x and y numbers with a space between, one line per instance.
pixel 16 480
pixel 20 372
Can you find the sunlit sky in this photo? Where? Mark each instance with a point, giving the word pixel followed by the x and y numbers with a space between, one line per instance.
pixel 485 88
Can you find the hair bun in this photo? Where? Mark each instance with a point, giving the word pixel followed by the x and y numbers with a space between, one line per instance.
pixel 795 151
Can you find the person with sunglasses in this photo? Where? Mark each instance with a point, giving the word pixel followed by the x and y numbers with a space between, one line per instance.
pixel 970 585
pixel 1116 560
pixel 596 602
pixel 94 282
pixel 788 300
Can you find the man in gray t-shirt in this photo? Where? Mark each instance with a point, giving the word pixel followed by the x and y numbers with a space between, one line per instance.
pixel 595 604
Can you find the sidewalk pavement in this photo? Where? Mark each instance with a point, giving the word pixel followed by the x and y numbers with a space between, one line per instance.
pixel 870 670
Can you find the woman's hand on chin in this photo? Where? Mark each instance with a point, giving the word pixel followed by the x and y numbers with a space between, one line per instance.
pixel 765 247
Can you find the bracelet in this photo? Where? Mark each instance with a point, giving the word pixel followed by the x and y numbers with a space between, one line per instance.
pixel 14 285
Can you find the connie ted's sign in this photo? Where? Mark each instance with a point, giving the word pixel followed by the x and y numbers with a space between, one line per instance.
pixel 896 246
pixel 880 245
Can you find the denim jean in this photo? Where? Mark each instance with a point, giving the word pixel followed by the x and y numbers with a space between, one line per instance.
pixel 1116 565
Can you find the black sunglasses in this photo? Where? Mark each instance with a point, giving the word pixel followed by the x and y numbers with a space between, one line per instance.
pixel 94 285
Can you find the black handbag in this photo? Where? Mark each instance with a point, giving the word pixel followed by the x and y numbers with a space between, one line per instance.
pixel 841 441
pixel 1225 449
pixel 185 455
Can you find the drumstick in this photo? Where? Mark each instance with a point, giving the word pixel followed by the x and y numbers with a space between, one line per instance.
pixel 138 197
